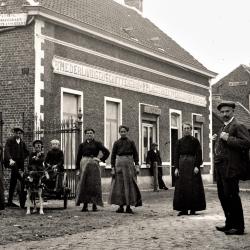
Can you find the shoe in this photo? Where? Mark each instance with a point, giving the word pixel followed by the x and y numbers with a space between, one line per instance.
pixel 192 212
pixel 129 210
pixel 234 231
pixel 222 229
pixel 94 208
pixel 182 213
pixel 120 210
pixel 11 204
pixel 84 209
pixel 165 188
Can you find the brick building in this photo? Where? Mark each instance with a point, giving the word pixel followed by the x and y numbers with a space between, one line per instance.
pixel 234 86
pixel 105 60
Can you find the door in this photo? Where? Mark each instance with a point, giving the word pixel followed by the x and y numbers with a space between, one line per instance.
pixel 174 139
pixel 148 137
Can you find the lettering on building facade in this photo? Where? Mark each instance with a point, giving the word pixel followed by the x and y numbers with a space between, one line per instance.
pixel 84 71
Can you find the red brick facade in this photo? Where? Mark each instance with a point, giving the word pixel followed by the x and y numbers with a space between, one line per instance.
pixel 19 51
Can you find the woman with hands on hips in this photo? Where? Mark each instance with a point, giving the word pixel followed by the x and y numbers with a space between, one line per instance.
pixel 89 188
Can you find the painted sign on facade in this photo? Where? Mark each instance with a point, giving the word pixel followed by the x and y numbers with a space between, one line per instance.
pixel 92 73
pixel 8 20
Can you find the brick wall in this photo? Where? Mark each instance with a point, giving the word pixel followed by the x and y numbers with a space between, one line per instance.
pixel 93 93
pixel 17 87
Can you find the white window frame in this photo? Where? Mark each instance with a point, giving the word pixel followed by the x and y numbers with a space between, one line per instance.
pixel 140 131
pixel 202 130
pixel 73 92
pixel 116 100
pixel 179 127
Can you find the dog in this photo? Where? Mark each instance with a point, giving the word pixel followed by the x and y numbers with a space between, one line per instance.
pixel 34 185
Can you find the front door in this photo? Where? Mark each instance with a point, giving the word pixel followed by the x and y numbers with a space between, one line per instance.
pixel 174 139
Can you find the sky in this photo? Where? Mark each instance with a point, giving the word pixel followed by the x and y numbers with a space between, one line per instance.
pixel 215 32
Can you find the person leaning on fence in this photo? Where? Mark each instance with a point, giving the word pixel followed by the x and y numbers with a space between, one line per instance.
pixel 231 161
pixel 1 180
pixel 89 188
pixel 189 191
pixel 54 162
pixel 125 166
pixel 154 162
pixel 15 152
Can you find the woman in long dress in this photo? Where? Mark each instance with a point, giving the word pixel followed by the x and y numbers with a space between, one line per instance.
pixel 189 191
pixel 89 188
pixel 125 166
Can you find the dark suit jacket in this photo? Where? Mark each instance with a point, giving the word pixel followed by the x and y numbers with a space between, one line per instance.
pixel 236 150
pixel 10 151
pixel 153 156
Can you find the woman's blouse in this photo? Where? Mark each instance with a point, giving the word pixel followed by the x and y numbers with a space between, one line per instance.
pixel 188 145
pixel 91 148
pixel 122 147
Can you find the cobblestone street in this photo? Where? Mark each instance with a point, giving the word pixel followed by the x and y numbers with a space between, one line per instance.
pixel 153 226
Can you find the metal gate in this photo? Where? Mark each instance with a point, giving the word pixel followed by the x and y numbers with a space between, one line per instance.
pixel 68 132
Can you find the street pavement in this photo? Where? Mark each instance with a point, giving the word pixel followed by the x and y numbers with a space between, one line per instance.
pixel 153 226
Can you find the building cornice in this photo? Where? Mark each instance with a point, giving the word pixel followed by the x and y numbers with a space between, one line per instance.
pixel 109 37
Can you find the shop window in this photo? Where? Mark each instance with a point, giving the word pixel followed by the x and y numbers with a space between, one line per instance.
pixel 112 122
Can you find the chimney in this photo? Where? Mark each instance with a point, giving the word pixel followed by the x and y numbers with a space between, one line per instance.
pixel 138 4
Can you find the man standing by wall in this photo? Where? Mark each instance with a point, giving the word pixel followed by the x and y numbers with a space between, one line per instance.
pixel 231 161
pixel 14 155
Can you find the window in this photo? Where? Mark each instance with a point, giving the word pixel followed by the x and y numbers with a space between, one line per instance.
pixel 71 103
pixel 112 121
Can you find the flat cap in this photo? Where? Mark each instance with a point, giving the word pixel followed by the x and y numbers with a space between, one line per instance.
pixel 226 103
pixel 17 129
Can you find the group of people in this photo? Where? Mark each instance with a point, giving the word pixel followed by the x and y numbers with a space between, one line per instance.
pixel 231 160
pixel 125 167
pixel 15 154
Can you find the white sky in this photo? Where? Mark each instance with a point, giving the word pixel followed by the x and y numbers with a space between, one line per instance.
pixel 215 32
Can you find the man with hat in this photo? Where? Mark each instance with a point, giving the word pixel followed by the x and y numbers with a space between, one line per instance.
pixel 231 161
pixel 15 153
pixel 154 162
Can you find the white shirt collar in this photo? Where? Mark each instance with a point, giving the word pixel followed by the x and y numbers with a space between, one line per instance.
pixel 18 140
pixel 226 123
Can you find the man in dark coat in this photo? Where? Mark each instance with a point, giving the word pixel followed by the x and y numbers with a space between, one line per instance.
pixel 231 162
pixel 1 180
pixel 15 153
pixel 154 162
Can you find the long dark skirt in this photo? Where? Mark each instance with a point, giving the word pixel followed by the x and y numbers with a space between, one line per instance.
pixel 89 188
pixel 124 189
pixel 189 191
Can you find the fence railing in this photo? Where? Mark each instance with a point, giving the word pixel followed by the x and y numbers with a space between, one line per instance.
pixel 68 132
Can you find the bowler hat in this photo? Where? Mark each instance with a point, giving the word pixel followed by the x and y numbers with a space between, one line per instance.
pixel 37 141
pixel 16 129
pixel 226 103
